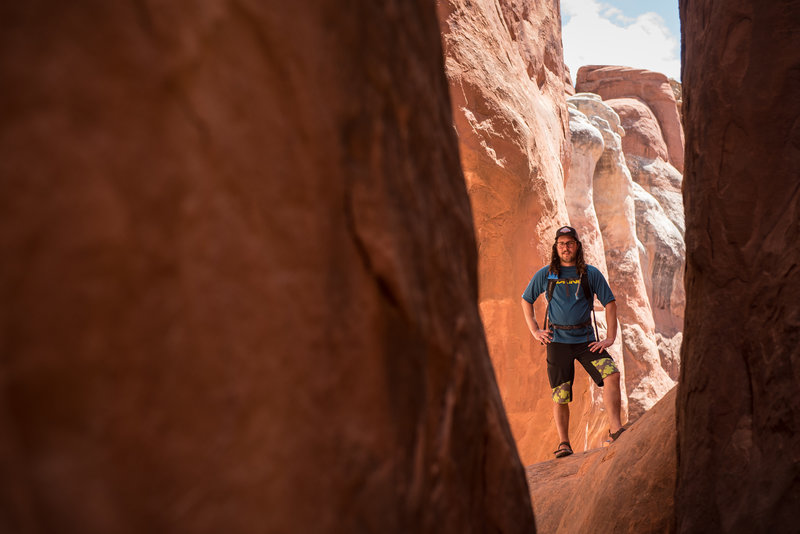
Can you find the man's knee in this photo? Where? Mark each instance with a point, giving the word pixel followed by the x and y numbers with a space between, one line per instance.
pixel 606 368
pixel 562 394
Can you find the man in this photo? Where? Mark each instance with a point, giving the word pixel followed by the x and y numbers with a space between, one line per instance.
pixel 570 335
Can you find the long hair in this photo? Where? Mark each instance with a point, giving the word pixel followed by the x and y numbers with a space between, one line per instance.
pixel 555 261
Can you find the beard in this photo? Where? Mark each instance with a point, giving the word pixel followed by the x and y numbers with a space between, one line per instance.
pixel 568 256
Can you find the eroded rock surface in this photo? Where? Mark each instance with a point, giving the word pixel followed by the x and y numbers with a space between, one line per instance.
pixel 659 222
pixel 652 88
pixel 626 487
pixel 239 280
pixel 613 189
pixel 643 135
pixel 738 405
pixel 587 146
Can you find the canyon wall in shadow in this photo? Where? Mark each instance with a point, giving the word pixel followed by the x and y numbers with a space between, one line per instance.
pixel 239 277
pixel 738 411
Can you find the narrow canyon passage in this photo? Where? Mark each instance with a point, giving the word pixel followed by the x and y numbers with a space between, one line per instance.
pixel 262 266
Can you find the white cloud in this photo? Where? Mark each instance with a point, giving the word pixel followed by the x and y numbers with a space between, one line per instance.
pixel 612 12
pixel 600 34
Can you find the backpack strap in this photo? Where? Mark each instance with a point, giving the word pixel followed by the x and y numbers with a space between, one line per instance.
pixel 589 294
pixel 551 285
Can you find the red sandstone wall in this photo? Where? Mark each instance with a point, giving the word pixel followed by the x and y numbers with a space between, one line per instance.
pixel 738 404
pixel 626 487
pixel 239 284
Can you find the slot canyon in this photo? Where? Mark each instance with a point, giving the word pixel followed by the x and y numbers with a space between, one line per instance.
pixel 262 267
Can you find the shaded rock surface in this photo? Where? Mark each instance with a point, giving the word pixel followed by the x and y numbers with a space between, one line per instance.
pixel 626 487
pixel 738 404
pixel 653 88
pixel 239 280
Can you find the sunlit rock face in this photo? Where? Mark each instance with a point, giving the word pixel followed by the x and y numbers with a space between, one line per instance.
pixel 658 219
pixel 506 74
pixel 530 165
pixel 239 278
pixel 585 492
pixel 659 224
pixel 738 403
pixel 614 203
pixel 643 135
pixel 652 88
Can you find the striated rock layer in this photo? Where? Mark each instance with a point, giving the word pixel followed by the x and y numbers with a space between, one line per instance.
pixel 627 487
pixel 505 67
pixel 738 404
pixel 239 285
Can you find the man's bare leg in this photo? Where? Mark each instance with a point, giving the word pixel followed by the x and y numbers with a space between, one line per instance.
pixel 612 400
pixel 561 416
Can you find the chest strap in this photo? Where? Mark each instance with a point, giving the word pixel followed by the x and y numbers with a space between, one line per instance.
pixel 571 326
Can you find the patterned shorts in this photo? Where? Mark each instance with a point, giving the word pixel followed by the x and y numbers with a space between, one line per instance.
pixel 561 367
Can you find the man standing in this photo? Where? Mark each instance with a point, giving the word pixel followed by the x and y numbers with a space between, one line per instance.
pixel 570 286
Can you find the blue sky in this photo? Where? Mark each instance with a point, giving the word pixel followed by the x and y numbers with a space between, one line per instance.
pixel 635 33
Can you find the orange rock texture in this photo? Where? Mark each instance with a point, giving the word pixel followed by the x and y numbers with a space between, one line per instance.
pixel 738 403
pixel 531 166
pixel 239 279
pixel 506 72
pixel 627 487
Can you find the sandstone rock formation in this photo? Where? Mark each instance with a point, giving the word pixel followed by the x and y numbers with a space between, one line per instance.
pixel 659 224
pixel 627 487
pixel 506 74
pixel 239 283
pixel 643 135
pixel 677 92
pixel 587 146
pixel 661 255
pixel 652 88
pixel 525 179
pixel 738 404
pixel 645 379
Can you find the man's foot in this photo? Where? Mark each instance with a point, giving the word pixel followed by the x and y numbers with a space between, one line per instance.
pixel 564 449
pixel 613 436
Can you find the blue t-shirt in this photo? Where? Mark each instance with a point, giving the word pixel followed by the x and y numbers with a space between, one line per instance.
pixel 569 306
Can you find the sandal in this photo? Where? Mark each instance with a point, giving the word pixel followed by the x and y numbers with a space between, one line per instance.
pixel 564 449
pixel 615 436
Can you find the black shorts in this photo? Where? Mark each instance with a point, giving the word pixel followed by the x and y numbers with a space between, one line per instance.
pixel 561 367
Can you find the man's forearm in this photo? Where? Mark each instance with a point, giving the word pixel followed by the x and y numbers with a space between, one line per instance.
pixel 530 316
pixel 611 320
